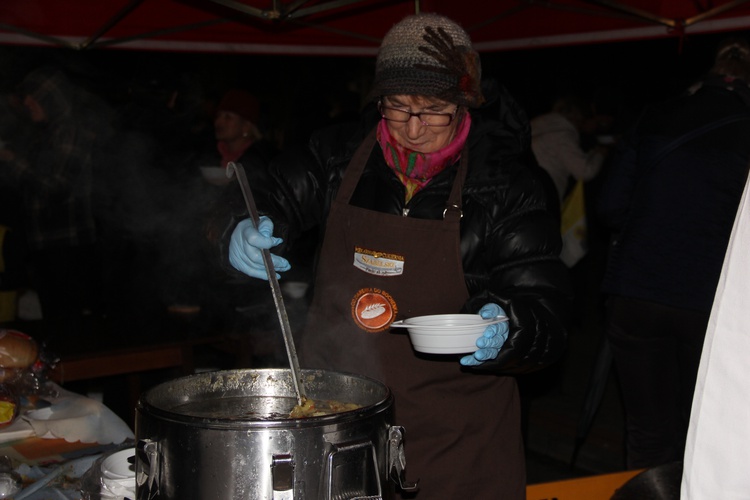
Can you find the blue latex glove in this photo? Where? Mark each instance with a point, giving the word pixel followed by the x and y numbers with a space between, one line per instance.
pixel 492 339
pixel 246 248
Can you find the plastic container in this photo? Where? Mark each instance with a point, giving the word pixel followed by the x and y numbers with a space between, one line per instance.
pixel 446 333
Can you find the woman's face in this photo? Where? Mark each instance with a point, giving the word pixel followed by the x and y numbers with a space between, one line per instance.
pixel 36 112
pixel 413 134
pixel 230 127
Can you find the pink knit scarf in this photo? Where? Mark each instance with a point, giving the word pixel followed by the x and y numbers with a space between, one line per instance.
pixel 414 169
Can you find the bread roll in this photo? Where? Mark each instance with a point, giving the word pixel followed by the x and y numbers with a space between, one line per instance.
pixel 17 350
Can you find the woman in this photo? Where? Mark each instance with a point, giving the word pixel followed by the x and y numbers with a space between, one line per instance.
pixel 238 137
pixel 427 209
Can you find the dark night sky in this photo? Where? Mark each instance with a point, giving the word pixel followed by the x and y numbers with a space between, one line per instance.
pixel 635 71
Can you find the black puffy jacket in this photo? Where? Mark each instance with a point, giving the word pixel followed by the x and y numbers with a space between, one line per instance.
pixel 671 197
pixel 509 239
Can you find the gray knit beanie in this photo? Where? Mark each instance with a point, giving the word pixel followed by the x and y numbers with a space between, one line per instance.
pixel 429 54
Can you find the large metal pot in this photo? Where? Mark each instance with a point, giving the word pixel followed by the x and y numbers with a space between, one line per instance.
pixel 227 435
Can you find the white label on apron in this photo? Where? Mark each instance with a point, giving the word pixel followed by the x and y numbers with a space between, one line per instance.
pixel 378 263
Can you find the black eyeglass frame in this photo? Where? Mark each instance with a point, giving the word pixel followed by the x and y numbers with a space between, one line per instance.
pixel 451 116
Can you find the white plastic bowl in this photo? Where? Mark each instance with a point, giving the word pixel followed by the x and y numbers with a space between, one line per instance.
pixel 446 333
pixel 117 466
pixel 215 175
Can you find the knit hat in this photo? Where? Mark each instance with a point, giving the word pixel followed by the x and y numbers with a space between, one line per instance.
pixel 733 58
pixel 242 103
pixel 429 54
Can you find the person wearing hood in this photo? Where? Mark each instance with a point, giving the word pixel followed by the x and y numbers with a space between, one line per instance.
pixel 427 205
pixel 54 174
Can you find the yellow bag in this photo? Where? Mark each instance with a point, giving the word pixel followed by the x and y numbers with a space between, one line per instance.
pixel 573 226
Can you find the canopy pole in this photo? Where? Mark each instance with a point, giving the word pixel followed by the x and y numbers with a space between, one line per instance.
pixel 111 22
pixel 155 33
pixel 44 38
pixel 671 23
pixel 280 12
pixel 714 11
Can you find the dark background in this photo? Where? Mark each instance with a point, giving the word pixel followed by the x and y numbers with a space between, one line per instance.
pixel 632 72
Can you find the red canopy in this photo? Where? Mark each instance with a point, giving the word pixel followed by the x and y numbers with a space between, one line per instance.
pixel 350 27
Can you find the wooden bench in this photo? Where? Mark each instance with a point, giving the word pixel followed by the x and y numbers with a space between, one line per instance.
pixel 129 361
pixel 134 362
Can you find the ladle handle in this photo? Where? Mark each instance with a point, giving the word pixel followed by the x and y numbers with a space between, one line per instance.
pixel 286 329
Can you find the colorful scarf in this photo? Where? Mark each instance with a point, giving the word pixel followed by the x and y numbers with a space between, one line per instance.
pixel 414 169
pixel 227 155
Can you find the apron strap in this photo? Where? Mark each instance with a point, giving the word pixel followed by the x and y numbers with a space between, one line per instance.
pixel 358 162
pixel 453 207
pixel 356 166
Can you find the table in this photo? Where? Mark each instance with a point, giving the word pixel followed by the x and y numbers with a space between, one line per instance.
pixel 54 468
pixel 598 487
pixel 34 450
pixel 44 445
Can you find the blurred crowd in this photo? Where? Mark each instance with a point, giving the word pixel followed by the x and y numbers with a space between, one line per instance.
pixel 105 190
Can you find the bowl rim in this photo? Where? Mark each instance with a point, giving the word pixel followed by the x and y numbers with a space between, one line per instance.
pixel 444 350
pixel 484 323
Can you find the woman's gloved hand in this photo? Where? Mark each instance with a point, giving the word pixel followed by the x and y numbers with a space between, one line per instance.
pixel 247 245
pixel 492 340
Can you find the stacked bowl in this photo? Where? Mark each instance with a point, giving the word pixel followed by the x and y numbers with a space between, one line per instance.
pixel 118 475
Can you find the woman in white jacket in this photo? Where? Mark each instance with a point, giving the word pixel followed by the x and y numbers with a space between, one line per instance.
pixel 556 142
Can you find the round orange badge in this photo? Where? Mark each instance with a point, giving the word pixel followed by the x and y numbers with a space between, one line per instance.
pixel 373 309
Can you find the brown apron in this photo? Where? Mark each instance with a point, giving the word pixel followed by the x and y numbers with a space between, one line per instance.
pixel 462 430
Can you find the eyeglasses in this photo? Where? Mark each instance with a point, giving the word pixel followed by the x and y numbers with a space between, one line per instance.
pixel 427 119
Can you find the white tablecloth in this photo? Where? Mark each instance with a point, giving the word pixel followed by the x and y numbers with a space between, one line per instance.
pixel 71 417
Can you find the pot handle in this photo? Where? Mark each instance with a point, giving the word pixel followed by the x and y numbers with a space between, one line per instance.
pixel 282 477
pixel 352 469
pixel 146 469
pixel 397 459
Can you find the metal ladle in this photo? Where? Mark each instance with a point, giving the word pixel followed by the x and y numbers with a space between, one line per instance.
pixel 286 329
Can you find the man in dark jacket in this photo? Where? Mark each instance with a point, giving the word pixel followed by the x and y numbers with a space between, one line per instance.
pixel 53 172
pixel 428 206
pixel 671 201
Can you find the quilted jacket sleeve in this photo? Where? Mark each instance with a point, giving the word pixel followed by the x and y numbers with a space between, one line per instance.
pixel 516 242
pixel 526 278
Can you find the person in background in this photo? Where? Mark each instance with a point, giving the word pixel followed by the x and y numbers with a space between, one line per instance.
pixel 670 199
pixel 54 173
pixel 13 252
pixel 426 206
pixel 239 139
pixel 237 133
pixel 556 142
pixel 236 138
